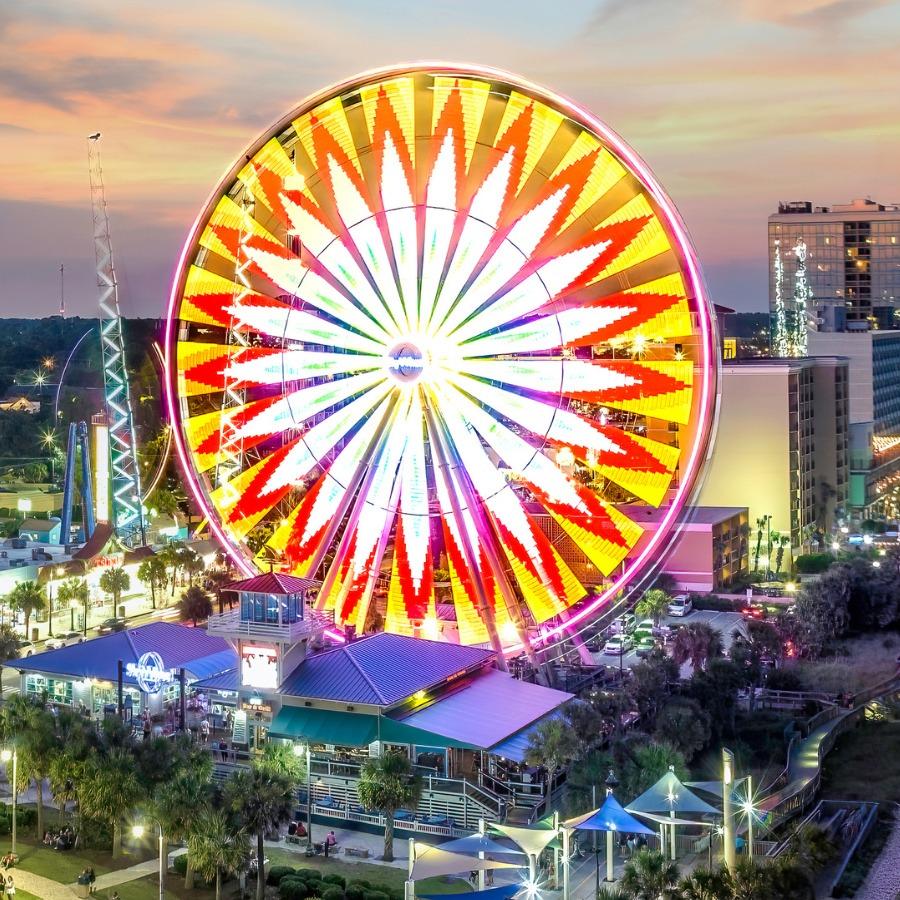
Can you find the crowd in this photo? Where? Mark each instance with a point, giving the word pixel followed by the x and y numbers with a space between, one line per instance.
pixel 63 839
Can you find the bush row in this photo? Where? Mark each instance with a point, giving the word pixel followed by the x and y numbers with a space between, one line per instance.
pixel 300 884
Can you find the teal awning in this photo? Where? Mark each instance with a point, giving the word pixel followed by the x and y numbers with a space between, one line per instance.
pixel 346 729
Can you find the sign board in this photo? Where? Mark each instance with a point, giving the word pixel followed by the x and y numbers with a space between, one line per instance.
pixel 24 504
pixel 259 667
pixel 150 672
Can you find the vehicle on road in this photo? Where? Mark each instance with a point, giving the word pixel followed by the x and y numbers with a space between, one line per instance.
pixel 108 626
pixel 645 645
pixel 617 645
pixel 646 625
pixel 624 624
pixel 754 611
pixel 26 648
pixel 680 605
pixel 64 640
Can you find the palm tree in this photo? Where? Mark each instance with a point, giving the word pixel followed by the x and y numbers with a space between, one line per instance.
pixel 697 642
pixel 175 805
pixel 195 604
pixel 193 566
pixel 653 605
pixel 169 557
pixel 9 648
pixel 115 582
pixel 262 801
pixel 760 530
pixel 215 848
pixel 75 590
pixel 111 791
pixel 810 849
pixel 703 884
pixel 649 875
pixel 783 542
pixel 152 572
pixel 552 744
pixel 387 784
pixel 28 597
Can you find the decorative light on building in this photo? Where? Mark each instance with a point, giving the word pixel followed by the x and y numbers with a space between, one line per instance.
pixel 779 329
pixel 798 341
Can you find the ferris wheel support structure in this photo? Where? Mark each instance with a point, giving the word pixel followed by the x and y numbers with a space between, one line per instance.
pixel 127 512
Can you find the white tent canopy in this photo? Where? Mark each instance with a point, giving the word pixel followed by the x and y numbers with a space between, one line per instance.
pixel 531 840
pixel 432 861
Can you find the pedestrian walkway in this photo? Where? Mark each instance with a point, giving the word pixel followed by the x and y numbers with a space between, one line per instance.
pixel 133 873
pixel 883 881
pixel 40 886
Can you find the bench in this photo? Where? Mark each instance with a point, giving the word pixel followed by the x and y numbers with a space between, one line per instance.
pixel 361 852
pixel 294 838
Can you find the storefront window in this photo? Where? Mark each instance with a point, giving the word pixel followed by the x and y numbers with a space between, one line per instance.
pixel 57 691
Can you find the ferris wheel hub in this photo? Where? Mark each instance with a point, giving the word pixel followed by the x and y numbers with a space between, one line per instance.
pixel 406 362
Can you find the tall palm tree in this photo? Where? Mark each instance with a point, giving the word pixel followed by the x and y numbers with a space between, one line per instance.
pixel 111 791
pixel 195 604
pixel 115 582
pixel 28 597
pixel 653 604
pixel 9 648
pixel 215 848
pixel 75 590
pixel 784 541
pixel 153 573
pixel 176 803
pixel 552 744
pixel 261 800
pixel 760 531
pixel 649 875
pixel 697 642
pixel 387 784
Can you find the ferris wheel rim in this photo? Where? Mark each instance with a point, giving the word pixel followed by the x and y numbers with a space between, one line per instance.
pixel 709 363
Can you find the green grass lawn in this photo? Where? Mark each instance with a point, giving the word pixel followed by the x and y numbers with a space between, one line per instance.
pixel 443 885
pixel 389 876
pixel 859 767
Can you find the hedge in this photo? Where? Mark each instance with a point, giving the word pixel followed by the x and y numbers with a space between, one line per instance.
pixel 294 888
pixel 276 873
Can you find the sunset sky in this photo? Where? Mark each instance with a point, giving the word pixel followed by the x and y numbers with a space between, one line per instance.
pixel 735 104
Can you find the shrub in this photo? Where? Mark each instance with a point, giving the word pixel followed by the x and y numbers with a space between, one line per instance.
pixel 716 603
pixel 308 874
pixel 334 878
pixel 375 895
pixel 784 680
pixel 355 891
pixel 276 873
pixel 293 888
pixel 813 563
pixel 333 893
pixel 179 864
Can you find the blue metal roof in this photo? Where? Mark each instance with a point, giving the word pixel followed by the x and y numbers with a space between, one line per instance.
pixel 516 746
pixel 224 681
pixel 381 670
pixel 179 646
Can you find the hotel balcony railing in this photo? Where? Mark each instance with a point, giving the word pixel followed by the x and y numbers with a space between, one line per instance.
pixel 230 624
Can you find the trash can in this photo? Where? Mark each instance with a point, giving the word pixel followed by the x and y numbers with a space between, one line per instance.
pixel 82 890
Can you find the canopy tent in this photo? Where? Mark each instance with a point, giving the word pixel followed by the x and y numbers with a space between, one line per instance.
pixel 531 840
pixel 715 787
pixel 430 862
pixel 609 817
pixel 504 892
pixel 670 794
pixel 666 819
pixel 478 843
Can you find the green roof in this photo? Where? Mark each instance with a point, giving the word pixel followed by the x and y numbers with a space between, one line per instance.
pixel 331 726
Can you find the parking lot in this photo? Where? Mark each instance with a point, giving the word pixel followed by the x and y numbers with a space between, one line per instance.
pixel 724 622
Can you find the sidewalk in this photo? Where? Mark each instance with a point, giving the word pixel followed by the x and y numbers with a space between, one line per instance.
pixel 133 873
pixel 40 886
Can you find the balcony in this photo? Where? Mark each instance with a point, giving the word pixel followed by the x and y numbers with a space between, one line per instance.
pixel 230 624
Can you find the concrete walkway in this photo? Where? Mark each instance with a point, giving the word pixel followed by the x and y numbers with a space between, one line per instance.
pixel 133 873
pixel 40 886
pixel 883 881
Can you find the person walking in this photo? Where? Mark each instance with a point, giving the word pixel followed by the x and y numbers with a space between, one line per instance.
pixel 10 886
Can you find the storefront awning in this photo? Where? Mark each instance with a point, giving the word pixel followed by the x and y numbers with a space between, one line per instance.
pixel 331 726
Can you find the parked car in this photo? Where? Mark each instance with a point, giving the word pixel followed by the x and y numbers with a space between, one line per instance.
pixel 681 605
pixel 64 640
pixel 108 626
pixel 26 648
pixel 754 611
pixel 645 645
pixel 624 624
pixel 646 625
pixel 617 645
pixel 594 643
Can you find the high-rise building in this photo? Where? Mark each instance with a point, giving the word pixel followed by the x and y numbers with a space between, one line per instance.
pixel 874 416
pixel 781 447
pixel 832 268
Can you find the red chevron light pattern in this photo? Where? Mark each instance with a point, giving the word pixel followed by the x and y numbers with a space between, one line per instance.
pixel 466 318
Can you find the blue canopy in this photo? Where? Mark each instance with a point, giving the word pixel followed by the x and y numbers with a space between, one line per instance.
pixel 610 817
pixel 504 892
pixel 478 843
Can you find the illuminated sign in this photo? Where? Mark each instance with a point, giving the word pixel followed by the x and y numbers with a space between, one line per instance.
pixel 101 472
pixel 259 667
pixel 24 504
pixel 150 672
pixel 108 560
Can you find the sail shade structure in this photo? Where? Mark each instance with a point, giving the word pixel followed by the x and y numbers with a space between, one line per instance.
pixel 478 843
pixel 531 840
pixel 668 794
pixel 433 861
pixel 609 817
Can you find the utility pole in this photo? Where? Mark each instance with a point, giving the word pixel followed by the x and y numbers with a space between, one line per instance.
pixel 62 290
pixel 727 809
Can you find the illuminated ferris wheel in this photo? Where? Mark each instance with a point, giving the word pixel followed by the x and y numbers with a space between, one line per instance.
pixel 433 340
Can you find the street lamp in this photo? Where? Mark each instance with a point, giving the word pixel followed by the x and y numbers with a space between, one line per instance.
pixel 299 750
pixel 6 755
pixel 138 831
pixel 611 783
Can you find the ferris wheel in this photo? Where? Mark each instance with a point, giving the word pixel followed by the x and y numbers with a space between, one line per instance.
pixel 433 341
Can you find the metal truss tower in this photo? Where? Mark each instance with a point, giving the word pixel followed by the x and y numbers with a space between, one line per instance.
pixel 127 515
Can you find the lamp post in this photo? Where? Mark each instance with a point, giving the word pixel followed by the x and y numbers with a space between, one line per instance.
pixel 749 809
pixel 299 750
pixel 137 831
pixel 611 784
pixel 6 755
pixel 727 810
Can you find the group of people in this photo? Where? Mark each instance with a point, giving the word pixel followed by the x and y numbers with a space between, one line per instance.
pixel 630 844
pixel 63 839
pixel 9 860
pixel 88 877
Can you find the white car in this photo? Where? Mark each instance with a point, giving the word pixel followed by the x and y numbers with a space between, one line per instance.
pixel 64 640
pixel 26 648
pixel 680 605
pixel 617 645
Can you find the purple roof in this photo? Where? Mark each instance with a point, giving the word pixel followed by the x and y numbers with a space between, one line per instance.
pixel 179 646
pixel 273 583
pixel 381 670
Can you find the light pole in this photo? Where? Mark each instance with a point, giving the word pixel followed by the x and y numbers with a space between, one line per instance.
pixel 299 750
pixel 6 755
pixel 749 810
pixel 611 784
pixel 138 832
